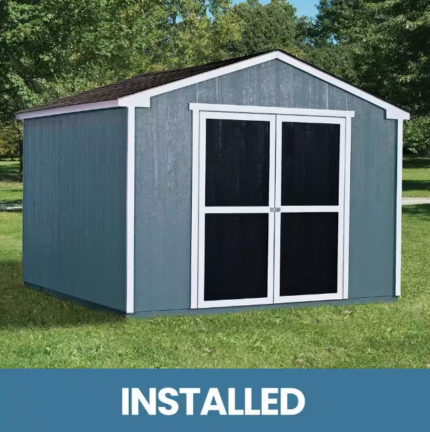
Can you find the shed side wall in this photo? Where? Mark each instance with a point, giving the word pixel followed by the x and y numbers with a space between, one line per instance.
pixel 75 205
pixel 163 180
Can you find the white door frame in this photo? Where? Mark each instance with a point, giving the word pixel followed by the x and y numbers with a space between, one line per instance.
pixel 339 209
pixel 201 112
pixel 204 210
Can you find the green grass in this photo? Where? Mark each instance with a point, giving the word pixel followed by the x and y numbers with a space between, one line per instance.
pixel 10 182
pixel 37 330
pixel 416 176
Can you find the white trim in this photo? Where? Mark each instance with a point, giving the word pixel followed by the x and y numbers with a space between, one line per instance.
pixel 233 303
pixel 235 210
pixel 399 207
pixel 392 112
pixel 341 218
pixel 195 211
pixel 68 109
pixel 131 143
pixel 346 203
pixel 343 168
pixel 307 297
pixel 198 259
pixel 270 110
pixel 309 209
pixel 321 119
pixel 278 200
pixel 201 220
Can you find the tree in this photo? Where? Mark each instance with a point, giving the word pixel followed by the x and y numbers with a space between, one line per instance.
pixel 268 27
pixel 10 140
pixel 54 48
pixel 390 41
pixel 183 33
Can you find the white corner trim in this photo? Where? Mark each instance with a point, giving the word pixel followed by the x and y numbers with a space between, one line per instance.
pixel 131 143
pixel 195 211
pixel 346 203
pixel 270 110
pixel 399 206
pixel 67 109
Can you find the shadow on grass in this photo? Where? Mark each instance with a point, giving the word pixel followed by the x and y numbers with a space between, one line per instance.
pixel 416 185
pixel 421 211
pixel 416 162
pixel 11 201
pixel 9 171
pixel 22 306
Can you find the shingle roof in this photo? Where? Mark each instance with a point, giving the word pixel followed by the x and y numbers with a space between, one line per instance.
pixel 135 85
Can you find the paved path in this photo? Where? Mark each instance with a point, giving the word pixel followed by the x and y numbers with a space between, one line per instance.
pixel 415 201
pixel 10 207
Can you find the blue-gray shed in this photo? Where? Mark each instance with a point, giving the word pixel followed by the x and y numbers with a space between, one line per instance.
pixel 259 181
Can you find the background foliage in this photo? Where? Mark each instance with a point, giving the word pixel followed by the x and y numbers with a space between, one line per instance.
pixel 53 48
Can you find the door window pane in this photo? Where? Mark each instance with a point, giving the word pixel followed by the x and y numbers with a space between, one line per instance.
pixel 236 247
pixel 237 163
pixel 309 243
pixel 310 164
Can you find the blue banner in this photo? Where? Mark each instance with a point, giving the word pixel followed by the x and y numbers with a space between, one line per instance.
pixel 214 400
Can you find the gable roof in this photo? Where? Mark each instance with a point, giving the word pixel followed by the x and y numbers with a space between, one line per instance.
pixel 124 92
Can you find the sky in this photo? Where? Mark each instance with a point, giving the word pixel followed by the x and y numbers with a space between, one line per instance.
pixel 304 7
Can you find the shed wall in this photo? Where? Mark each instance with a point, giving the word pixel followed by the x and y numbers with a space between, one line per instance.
pixel 163 180
pixel 74 238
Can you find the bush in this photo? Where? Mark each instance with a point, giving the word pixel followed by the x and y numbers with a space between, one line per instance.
pixel 417 136
pixel 10 139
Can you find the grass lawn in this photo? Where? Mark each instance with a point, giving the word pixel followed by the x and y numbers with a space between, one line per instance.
pixel 39 331
pixel 416 176
pixel 10 182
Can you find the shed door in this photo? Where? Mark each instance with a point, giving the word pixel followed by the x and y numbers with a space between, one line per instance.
pixel 236 193
pixel 310 194
pixel 271 209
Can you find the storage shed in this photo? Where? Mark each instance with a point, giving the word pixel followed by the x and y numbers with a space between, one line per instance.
pixel 259 180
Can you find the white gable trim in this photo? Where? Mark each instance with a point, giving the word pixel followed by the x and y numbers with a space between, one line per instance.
pixel 143 98
pixel 392 111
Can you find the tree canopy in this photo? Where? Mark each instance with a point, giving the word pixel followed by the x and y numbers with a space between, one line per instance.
pixel 53 48
pixel 390 44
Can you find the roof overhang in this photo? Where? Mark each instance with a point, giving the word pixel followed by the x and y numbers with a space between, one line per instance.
pixel 143 99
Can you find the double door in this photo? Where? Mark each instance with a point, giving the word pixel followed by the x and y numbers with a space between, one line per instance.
pixel 270 209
